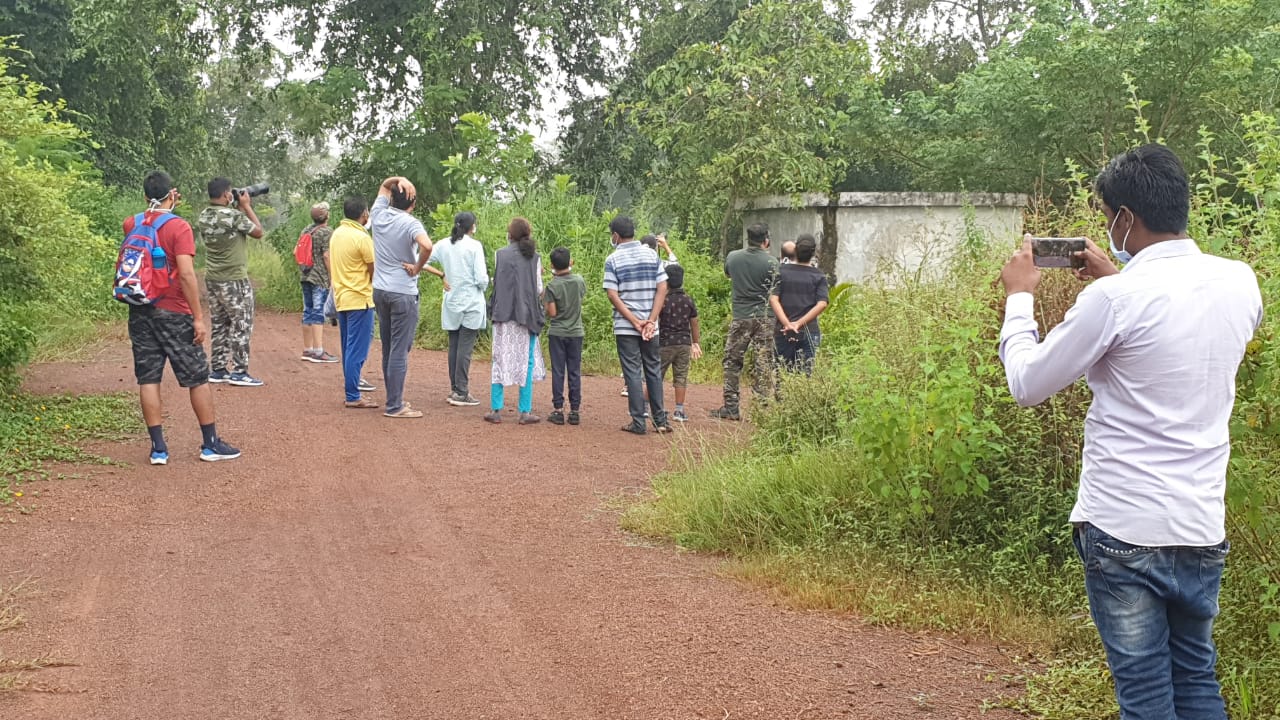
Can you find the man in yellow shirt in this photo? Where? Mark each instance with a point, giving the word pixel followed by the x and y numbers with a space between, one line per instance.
pixel 351 262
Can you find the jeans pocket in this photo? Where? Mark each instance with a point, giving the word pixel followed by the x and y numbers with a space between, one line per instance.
pixel 1118 567
pixel 1213 560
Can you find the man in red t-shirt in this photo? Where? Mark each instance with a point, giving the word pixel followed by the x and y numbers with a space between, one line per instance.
pixel 173 329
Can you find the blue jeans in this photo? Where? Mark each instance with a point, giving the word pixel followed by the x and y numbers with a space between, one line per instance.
pixel 642 366
pixel 797 350
pixel 398 327
pixel 1154 609
pixel 313 299
pixel 356 329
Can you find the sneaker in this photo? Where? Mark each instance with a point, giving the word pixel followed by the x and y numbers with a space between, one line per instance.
pixel 322 357
pixel 529 419
pixel 663 429
pixel 634 428
pixel 726 413
pixel 366 386
pixel 159 457
pixel 219 376
pixel 556 417
pixel 574 417
pixel 679 416
pixel 308 355
pixel 494 417
pixel 218 450
pixel 462 400
pixel 244 380
pixel 404 412
pixel 624 391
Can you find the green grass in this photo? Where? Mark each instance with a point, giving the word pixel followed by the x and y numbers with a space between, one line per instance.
pixel 36 430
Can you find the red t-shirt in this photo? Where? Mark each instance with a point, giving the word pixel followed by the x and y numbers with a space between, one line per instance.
pixel 176 239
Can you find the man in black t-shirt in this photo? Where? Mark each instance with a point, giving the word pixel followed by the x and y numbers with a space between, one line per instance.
pixel 798 299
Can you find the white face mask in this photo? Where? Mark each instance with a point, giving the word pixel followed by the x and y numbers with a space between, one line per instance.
pixel 1121 254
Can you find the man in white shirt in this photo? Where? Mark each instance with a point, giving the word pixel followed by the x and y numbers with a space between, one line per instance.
pixel 1159 344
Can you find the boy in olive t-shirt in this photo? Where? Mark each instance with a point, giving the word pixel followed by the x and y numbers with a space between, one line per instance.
pixel 563 298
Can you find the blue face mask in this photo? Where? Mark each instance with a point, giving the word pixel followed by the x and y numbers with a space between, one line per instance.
pixel 1121 254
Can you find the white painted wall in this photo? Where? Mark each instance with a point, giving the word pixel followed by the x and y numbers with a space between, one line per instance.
pixel 890 235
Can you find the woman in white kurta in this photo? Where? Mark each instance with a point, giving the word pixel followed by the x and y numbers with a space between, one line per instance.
pixel 462 311
pixel 517 315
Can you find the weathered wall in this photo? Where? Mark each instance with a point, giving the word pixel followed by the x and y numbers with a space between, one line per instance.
pixel 890 235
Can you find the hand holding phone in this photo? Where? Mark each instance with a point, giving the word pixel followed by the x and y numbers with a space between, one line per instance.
pixel 1056 252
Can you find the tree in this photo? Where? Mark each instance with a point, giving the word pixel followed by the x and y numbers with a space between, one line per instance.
pixel 127 73
pixel 768 109
pixel 1070 85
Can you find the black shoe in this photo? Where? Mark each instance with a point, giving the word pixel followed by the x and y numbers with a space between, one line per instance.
pixel 556 417
pixel 635 429
pixel 726 413
pixel 574 417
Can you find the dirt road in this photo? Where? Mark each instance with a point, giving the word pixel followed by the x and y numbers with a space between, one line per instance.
pixel 354 566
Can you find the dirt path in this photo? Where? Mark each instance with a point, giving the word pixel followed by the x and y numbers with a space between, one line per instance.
pixel 354 566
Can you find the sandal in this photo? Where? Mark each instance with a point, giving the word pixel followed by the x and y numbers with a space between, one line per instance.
pixel 361 403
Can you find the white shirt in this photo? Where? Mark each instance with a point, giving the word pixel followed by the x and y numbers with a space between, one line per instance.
pixel 1159 344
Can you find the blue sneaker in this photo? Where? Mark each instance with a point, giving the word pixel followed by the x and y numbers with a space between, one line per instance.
pixel 244 380
pixel 218 450
pixel 219 376
pixel 159 457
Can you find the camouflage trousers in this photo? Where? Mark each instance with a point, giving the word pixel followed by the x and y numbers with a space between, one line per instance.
pixel 231 324
pixel 755 334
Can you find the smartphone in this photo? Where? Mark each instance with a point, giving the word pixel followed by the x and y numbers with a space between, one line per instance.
pixel 1057 252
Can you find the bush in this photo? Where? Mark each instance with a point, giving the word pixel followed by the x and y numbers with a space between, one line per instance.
pixel 56 264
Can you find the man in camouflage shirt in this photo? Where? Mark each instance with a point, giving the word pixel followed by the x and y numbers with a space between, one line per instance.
pixel 315 287
pixel 225 231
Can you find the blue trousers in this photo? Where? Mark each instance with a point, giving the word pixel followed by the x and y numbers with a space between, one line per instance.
pixel 356 329
pixel 1154 609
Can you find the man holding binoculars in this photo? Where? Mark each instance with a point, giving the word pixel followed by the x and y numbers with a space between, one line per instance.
pixel 225 226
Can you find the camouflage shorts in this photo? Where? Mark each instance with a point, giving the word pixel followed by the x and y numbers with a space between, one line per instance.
pixel 162 335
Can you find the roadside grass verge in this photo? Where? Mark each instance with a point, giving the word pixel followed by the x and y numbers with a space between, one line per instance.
pixel 38 429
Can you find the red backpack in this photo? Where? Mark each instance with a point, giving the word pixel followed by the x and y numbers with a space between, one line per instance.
pixel 142 270
pixel 302 251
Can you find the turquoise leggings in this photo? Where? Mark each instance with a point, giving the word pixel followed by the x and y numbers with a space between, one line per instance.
pixel 496 391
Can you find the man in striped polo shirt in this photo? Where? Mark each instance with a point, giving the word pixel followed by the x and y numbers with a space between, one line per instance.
pixel 637 287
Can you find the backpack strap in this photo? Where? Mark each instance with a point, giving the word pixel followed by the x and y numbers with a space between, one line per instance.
pixel 159 221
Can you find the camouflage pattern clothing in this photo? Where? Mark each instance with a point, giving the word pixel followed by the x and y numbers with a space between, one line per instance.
pixel 318 274
pixel 225 233
pixel 750 333
pixel 231 317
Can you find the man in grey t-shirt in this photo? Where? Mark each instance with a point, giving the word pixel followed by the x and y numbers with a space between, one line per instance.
pixel 401 247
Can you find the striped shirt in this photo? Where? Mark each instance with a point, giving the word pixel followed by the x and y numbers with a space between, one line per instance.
pixel 634 271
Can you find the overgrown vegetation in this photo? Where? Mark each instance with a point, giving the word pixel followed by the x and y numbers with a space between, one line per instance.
pixel 904 483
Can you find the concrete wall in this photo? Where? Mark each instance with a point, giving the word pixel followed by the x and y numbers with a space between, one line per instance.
pixel 886 235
